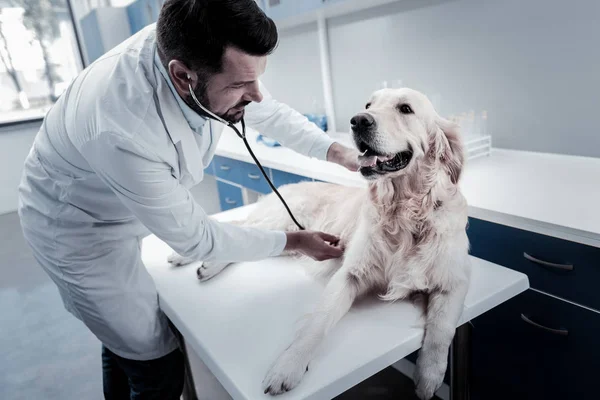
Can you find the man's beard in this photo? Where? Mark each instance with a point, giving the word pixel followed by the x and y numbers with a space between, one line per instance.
pixel 231 115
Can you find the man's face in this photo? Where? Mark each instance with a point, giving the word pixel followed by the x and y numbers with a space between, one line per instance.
pixel 230 91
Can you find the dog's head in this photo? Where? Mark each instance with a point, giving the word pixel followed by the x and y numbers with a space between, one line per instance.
pixel 401 128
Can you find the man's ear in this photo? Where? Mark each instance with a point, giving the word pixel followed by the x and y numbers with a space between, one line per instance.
pixel 182 77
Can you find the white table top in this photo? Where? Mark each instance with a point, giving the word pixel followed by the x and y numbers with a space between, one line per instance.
pixel 240 321
pixel 556 195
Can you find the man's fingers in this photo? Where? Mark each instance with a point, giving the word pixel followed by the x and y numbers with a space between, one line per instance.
pixel 329 238
pixel 335 252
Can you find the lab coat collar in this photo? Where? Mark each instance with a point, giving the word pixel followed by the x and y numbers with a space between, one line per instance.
pixel 192 161
pixel 182 135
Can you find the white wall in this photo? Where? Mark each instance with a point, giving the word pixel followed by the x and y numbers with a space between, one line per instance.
pixel 533 65
pixel 293 73
pixel 14 147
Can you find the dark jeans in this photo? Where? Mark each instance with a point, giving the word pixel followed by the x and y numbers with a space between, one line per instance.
pixel 161 378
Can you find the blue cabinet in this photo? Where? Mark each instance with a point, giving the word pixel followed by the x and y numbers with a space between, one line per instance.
pixel 230 196
pixel 210 170
pixel 536 347
pixel 253 179
pixel 102 29
pixel 92 39
pixel 233 175
pixel 228 169
pixel 283 178
pixel 142 13
pixel 566 269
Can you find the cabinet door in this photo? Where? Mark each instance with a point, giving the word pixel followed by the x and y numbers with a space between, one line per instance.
pixel 284 178
pixel 565 269
pixel 536 347
pixel 92 38
pixel 253 179
pixel 228 169
pixel 142 13
pixel 229 196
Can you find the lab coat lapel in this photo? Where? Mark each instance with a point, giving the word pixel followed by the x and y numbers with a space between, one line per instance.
pixel 190 156
pixel 216 128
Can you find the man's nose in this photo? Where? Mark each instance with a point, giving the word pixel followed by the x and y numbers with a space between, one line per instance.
pixel 254 94
pixel 362 121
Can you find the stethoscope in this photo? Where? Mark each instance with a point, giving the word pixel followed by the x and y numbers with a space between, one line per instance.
pixel 242 136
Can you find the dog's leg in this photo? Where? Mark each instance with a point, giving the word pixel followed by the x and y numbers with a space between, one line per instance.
pixel 350 281
pixel 443 312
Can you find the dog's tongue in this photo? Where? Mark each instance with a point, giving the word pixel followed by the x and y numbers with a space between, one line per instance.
pixel 367 161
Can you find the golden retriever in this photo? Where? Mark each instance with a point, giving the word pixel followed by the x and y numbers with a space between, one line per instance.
pixel 404 234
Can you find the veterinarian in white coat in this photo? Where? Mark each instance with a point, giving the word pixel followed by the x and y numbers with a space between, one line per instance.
pixel 113 162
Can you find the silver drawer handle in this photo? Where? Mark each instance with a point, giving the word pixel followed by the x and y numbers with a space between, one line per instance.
pixel 562 332
pixel 229 201
pixel 566 267
pixel 225 168
pixel 254 176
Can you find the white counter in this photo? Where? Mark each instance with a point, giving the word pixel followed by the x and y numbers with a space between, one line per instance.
pixel 556 195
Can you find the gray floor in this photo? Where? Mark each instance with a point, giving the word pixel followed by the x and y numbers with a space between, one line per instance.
pixel 46 353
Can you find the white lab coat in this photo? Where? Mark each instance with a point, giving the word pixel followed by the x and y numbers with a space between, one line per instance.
pixel 114 161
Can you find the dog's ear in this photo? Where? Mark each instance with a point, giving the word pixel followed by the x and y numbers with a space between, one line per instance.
pixel 452 155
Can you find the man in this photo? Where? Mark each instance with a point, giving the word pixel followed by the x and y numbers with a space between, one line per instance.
pixel 115 158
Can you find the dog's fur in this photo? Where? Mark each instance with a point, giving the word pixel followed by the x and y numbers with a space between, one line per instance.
pixel 404 234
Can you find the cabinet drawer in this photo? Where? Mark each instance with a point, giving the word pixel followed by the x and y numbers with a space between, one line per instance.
pixel 515 359
pixel 511 248
pixel 228 169
pixel 284 178
pixel 210 170
pixel 252 178
pixel 229 196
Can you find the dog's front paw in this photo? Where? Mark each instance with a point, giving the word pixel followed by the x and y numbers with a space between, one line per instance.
pixel 429 376
pixel 209 269
pixel 286 373
pixel 176 260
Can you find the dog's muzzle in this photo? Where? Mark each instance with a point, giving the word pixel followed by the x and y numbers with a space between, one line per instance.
pixel 373 160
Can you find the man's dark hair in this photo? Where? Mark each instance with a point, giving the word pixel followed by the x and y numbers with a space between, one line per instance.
pixel 197 32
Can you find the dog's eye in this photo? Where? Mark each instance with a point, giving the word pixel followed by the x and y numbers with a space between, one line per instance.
pixel 405 109
pixel 368 105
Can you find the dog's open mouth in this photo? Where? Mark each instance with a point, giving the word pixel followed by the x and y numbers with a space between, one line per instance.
pixel 373 161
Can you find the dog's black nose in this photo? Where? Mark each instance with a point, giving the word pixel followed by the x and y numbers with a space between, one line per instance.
pixel 362 120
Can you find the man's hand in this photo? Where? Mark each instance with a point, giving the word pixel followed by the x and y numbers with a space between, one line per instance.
pixel 316 245
pixel 344 156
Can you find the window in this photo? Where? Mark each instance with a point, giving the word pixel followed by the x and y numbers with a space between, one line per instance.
pixel 39 57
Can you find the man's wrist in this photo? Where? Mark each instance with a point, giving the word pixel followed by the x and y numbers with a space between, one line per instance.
pixel 334 153
pixel 292 241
